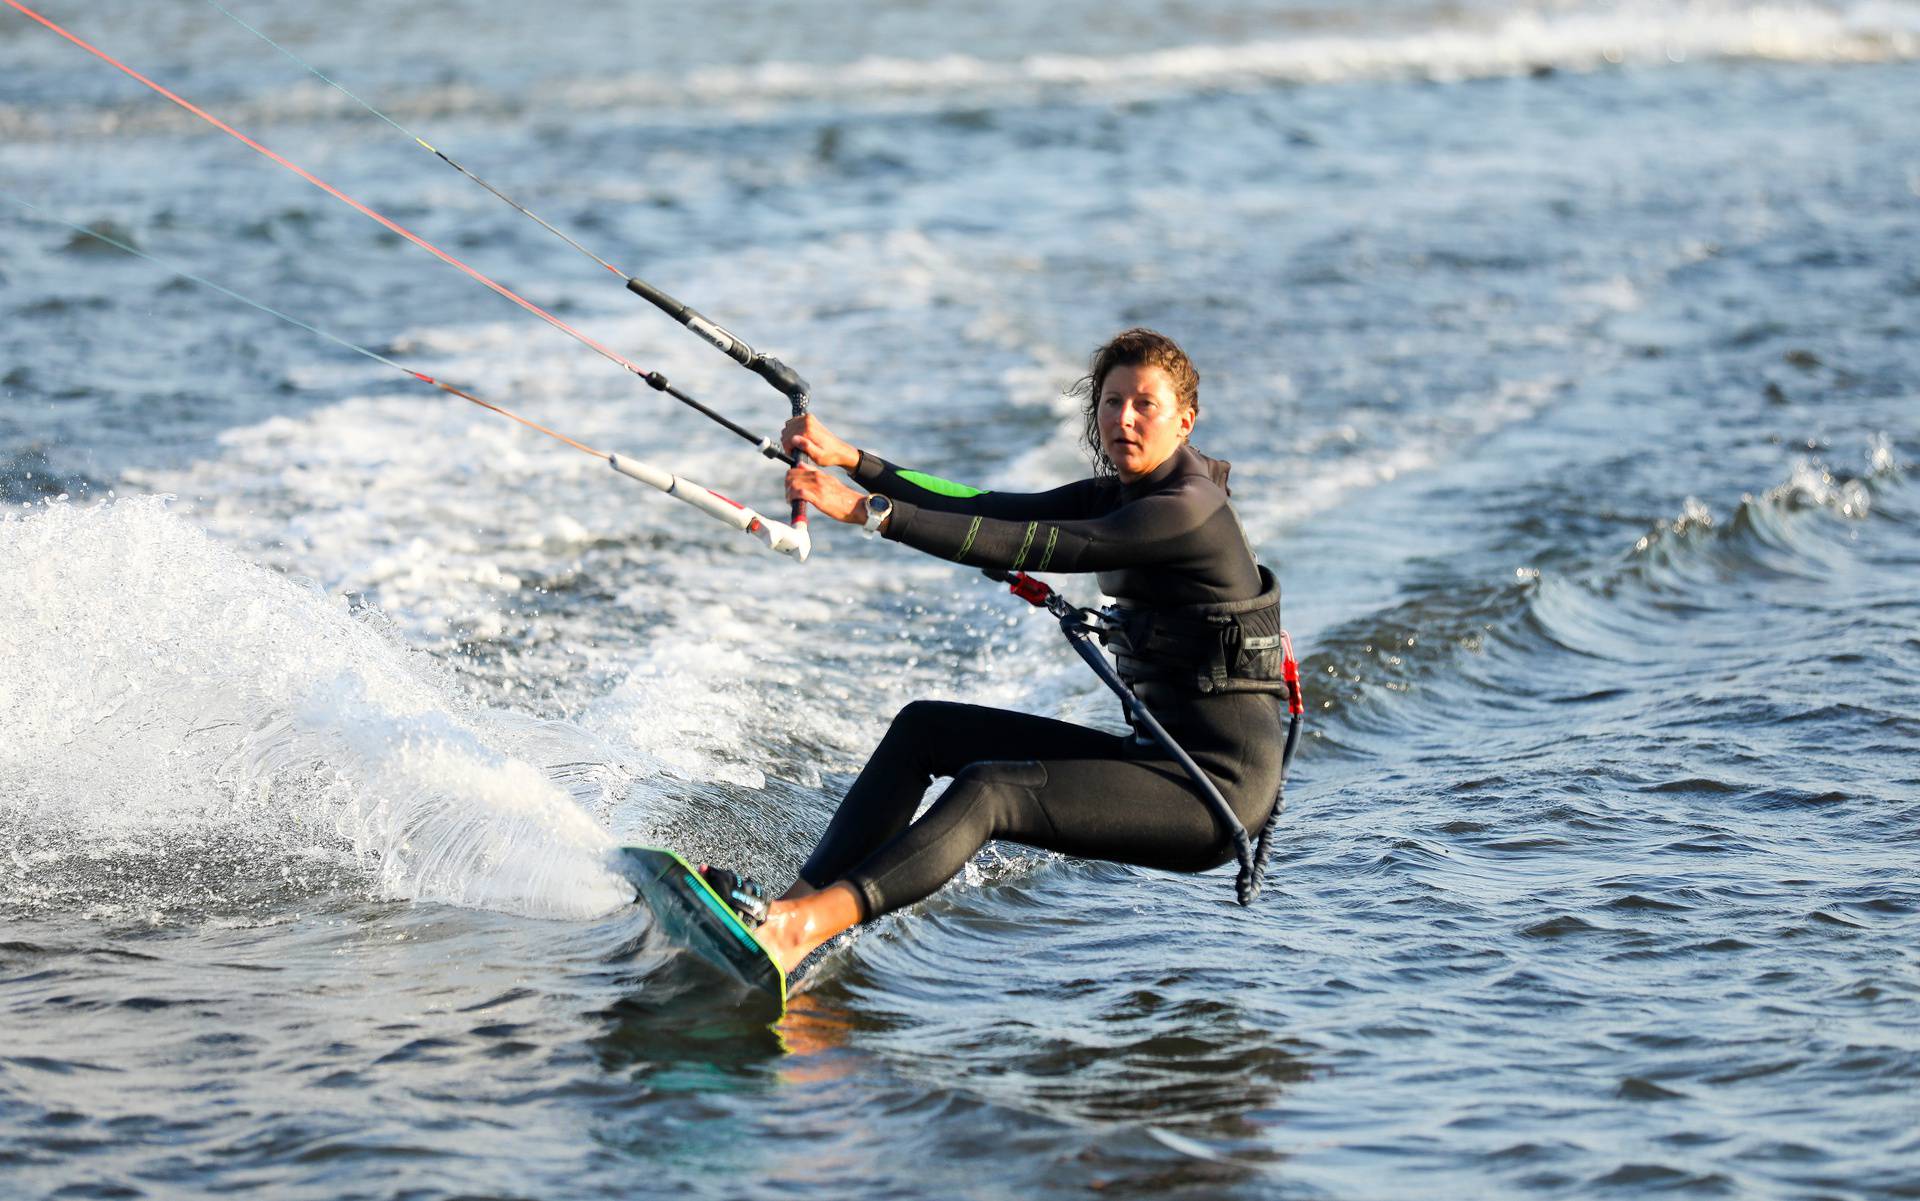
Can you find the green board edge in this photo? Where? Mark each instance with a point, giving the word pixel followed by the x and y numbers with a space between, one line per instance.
pixel 659 874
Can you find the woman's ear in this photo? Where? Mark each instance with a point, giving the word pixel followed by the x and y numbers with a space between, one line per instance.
pixel 1187 418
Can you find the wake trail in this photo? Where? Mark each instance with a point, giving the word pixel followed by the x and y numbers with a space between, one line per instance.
pixel 191 730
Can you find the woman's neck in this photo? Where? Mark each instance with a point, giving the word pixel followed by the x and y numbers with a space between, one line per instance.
pixel 1134 477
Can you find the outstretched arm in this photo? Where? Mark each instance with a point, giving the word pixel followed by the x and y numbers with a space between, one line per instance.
pixel 1155 529
pixel 808 436
pixel 933 494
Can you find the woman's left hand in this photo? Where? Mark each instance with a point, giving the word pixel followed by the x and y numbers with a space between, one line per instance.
pixel 827 494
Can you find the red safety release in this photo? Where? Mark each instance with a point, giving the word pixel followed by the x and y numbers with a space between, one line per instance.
pixel 1290 672
pixel 1029 589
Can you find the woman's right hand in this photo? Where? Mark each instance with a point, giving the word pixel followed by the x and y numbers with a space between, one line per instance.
pixel 807 436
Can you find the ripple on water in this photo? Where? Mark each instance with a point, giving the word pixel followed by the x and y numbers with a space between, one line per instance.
pixel 1595 881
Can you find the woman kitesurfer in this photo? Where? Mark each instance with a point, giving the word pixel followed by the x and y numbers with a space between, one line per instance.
pixel 1201 649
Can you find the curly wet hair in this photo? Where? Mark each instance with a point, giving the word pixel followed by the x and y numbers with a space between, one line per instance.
pixel 1131 348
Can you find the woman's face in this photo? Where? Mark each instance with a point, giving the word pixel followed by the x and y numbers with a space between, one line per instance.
pixel 1141 421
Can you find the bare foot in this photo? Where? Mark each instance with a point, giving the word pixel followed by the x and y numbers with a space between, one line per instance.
pixel 794 928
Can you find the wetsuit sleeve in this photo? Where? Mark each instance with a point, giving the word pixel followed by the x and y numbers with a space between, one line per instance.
pixel 1152 530
pixel 931 493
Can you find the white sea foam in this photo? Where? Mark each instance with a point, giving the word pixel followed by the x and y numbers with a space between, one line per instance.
pixel 1461 45
pixel 1631 33
pixel 164 694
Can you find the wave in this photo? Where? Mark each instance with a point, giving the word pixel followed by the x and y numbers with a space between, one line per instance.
pixel 1465 646
pixel 1476 46
pixel 1520 44
pixel 190 731
pixel 1764 533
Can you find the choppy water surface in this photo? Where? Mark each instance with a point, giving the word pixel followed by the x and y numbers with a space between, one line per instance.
pixel 1566 359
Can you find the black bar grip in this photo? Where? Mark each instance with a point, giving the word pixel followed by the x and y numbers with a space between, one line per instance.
pixel 654 296
pixel 719 337
pixel 781 376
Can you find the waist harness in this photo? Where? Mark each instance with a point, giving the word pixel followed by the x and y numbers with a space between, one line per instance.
pixel 1209 649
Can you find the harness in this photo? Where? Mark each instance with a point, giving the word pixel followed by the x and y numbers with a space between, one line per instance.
pixel 1223 647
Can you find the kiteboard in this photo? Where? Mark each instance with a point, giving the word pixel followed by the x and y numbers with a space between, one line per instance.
pixel 694 917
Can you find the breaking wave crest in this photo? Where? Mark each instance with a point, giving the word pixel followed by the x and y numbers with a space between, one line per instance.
pixel 1492 651
pixel 1764 532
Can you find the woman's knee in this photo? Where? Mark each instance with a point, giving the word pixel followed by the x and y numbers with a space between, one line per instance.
pixel 912 729
pixel 919 717
pixel 920 733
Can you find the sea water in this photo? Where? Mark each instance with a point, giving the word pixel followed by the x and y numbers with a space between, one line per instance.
pixel 1565 354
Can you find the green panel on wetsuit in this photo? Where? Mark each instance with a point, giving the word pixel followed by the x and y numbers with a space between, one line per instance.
pixel 694 918
pixel 940 487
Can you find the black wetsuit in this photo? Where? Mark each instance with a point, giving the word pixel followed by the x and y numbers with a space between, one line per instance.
pixel 1168 539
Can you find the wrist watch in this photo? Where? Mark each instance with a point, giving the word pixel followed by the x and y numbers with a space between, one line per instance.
pixel 879 508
